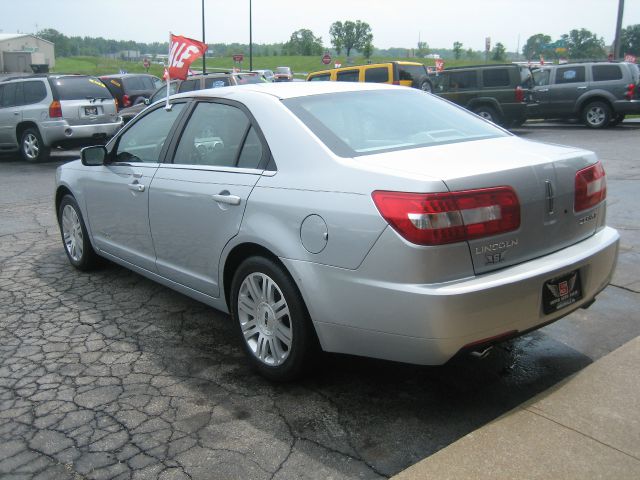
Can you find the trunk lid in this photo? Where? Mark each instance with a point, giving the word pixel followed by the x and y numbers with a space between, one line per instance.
pixel 84 100
pixel 542 175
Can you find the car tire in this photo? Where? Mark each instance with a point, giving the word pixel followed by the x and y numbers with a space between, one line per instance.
pixel 617 119
pixel 32 147
pixel 488 113
pixel 272 320
pixel 426 86
pixel 596 115
pixel 75 238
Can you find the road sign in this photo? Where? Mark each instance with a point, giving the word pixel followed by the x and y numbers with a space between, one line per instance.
pixel 487 44
pixel 326 59
pixel 439 64
pixel 238 57
pixel 146 63
pixel 630 58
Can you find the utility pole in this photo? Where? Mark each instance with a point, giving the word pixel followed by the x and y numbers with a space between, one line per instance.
pixel 204 56
pixel 617 43
pixel 250 40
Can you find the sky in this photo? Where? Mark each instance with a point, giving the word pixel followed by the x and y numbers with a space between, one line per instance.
pixel 393 23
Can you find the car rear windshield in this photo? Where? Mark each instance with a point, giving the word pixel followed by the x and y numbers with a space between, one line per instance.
pixel 251 78
pixel 361 123
pixel 79 88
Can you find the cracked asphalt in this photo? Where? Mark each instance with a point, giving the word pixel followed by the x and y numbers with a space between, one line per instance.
pixel 108 375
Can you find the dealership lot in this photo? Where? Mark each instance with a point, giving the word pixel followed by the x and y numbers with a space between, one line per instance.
pixel 109 375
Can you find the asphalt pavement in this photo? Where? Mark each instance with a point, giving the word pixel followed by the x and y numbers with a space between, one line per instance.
pixel 109 375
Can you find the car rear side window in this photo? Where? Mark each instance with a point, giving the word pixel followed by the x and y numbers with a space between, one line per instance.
pixel 496 77
pixel 348 76
pixel 189 86
pixel 357 123
pixel 144 140
pixel 80 88
pixel 461 80
pixel 213 136
pixel 411 72
pixel 602 73
pixel 570 75
pixel 251 151
pixel 320 78
pixel 376 75
pixel 133 83
pixel 216 82
pixel 34 92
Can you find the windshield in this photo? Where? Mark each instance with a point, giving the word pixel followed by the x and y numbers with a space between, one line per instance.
pixel 78 88
pixel 162 92
pixel 361 123
pixel 285 70
pixel 250 78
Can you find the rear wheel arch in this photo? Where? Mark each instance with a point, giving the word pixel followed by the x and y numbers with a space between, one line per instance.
pixel 237 255
pixel 583 102
pixel 22 126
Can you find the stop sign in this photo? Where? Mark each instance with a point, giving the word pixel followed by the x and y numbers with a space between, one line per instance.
pixel 146 63
pixel 326 59
pixel 238 57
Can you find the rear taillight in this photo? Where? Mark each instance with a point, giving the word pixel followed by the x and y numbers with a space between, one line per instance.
pixel 591 187
pixel 55 109
pixel 519 94
pixel 439 218
pixel 126 101
pixel 631 90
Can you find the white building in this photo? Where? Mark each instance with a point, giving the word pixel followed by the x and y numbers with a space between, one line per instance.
pixel 18 51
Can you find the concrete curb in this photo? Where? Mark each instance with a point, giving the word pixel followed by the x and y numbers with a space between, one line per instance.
pixel 587 426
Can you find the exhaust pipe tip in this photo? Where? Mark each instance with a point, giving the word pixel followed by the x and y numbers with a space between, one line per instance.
pixel 481 353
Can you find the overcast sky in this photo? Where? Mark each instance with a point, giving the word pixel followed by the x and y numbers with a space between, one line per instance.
pixel 394 23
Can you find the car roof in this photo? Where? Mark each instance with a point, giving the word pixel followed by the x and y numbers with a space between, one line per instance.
pixel 125 75
pixel 287 90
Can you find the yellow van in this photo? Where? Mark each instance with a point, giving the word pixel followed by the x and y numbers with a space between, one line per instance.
pixel 409 74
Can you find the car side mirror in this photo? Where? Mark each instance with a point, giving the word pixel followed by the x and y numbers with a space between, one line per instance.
pixel 147 101
pixel 93 156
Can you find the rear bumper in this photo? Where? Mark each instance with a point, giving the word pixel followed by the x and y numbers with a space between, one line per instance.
pixel 627 107
pixel 59 131
pixel 429 323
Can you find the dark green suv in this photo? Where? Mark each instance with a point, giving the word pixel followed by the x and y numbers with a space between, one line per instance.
pixel 495 92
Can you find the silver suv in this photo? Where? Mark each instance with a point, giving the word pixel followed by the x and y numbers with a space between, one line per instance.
pixel 39 112
pixel 598 93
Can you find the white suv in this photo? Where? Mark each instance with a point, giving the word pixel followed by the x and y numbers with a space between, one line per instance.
pixel 38 112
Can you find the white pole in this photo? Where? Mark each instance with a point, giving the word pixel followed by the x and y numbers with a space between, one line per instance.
pixel 167 106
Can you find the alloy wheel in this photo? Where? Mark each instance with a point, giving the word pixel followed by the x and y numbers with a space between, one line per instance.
pixel 72 233
pixel 265 319
pixel 596 115
pixel 31 146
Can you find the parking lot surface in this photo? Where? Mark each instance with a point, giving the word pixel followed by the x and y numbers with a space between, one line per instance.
pixel 109 375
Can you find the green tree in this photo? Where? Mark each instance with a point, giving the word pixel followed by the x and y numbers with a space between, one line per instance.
pixel 536 46
pixel 423 49
pixel 349 35
pixel 631 39
pixel 60 41
pixel 583 44
pixel 367 49
pixel 499 53
pixel 304 42
pixel 457 49
pixel 471 54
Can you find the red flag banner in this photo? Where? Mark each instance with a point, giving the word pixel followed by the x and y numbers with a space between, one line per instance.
pixel 183 52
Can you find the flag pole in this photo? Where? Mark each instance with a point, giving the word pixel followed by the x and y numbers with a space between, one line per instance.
pixel 167 106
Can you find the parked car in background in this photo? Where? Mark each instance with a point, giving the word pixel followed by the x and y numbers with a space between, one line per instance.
pixel 199 81
pixel 38 112
pixel 131 88
pixel 498 93
pixel 412 231
pixel 599 94
pixel 409 74
pixel 161 93
pixel 283 74
pixel 267 74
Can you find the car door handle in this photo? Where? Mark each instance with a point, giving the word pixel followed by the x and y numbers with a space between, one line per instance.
pixel 543 90
pixel 227 199
pixel 136 187
pixel 582 88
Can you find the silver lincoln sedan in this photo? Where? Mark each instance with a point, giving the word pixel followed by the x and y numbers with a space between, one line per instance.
pixel 364 219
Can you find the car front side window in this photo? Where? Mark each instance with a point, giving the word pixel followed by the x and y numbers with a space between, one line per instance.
pixel 144 140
